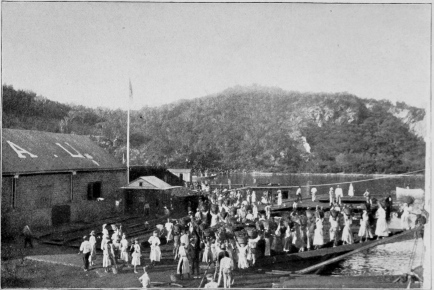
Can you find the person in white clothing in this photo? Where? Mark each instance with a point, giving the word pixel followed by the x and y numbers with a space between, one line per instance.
pixel 155 255
pixel 331 196
pixel 313 192
pixel 298 194
pixel 92 241
pixel 145 280
pixel 169 230
pixel 405 217
pixel 125 246
pixel 211 284
pixel 86 249
pixel 136 255
pixel 339 194
pixel 279 197
pixel 253 196
pixel 226 267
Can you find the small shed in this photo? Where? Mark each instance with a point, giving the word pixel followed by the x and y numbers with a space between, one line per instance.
pixel 148 195
pixel 183 174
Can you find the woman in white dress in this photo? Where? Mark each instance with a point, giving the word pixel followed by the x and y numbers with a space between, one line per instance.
pixel 183 264
pixel 136 255
pixel 279 197
pixel 365 228
pixel 125 246
pixel 405 221
pixel 242 256
pixel 107 255
pixel 155 255
pixel 381 229
pixel 351 190
pixel 169 230
pixel 318 238
pixel 214 218
pixel 334 227
pixel 92 241
pixel 207 254
pixel 254 210
pixel 347 234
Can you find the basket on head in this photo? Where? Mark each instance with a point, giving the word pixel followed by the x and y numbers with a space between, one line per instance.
pixel 333 213
pixel 203 226
pixel 159 227
pixel 408 199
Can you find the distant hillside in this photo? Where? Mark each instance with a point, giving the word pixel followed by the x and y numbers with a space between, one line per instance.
pixel 253 128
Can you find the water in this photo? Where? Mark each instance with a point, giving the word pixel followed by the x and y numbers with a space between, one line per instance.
pixel 388 259
pixel 375 187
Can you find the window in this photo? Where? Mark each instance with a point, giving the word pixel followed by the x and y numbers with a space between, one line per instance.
pixel 94 190
pixel 140 183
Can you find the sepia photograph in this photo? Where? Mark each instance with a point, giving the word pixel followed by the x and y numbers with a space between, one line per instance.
pixel 216 145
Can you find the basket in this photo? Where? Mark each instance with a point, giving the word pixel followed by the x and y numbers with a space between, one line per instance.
pixel 241 240
pixel 159 227
pixel 408 199
pixel 334 213
pixel 252 232
pixel 203 226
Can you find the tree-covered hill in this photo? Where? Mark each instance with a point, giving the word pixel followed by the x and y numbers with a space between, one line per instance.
pixel 253 128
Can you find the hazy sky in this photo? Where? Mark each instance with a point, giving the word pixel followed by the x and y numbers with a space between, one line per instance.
pixel 84 53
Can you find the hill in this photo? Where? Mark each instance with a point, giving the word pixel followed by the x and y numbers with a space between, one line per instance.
pixel 253 128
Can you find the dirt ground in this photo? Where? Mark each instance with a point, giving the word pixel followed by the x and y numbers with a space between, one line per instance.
pixel 18 272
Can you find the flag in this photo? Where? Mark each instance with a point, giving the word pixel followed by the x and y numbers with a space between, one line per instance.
pixel 131 91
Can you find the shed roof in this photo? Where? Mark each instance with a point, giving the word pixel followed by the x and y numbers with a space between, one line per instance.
pixel 27 151
pixel 179 170
pixel 148 182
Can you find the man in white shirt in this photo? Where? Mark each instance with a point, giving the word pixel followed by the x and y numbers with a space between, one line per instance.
pixel 85 248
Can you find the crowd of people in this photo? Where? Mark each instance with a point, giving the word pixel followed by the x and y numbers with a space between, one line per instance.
pixel 230 229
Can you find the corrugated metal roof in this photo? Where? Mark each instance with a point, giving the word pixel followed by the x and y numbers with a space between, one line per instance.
pixel 148 182
pixel 26 151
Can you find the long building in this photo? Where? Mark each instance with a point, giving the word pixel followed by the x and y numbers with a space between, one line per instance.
pixel 51 179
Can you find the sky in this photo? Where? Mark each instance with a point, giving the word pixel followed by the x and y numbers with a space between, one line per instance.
pixel 86 53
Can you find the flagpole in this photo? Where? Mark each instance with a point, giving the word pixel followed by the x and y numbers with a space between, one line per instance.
pixel 128 135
